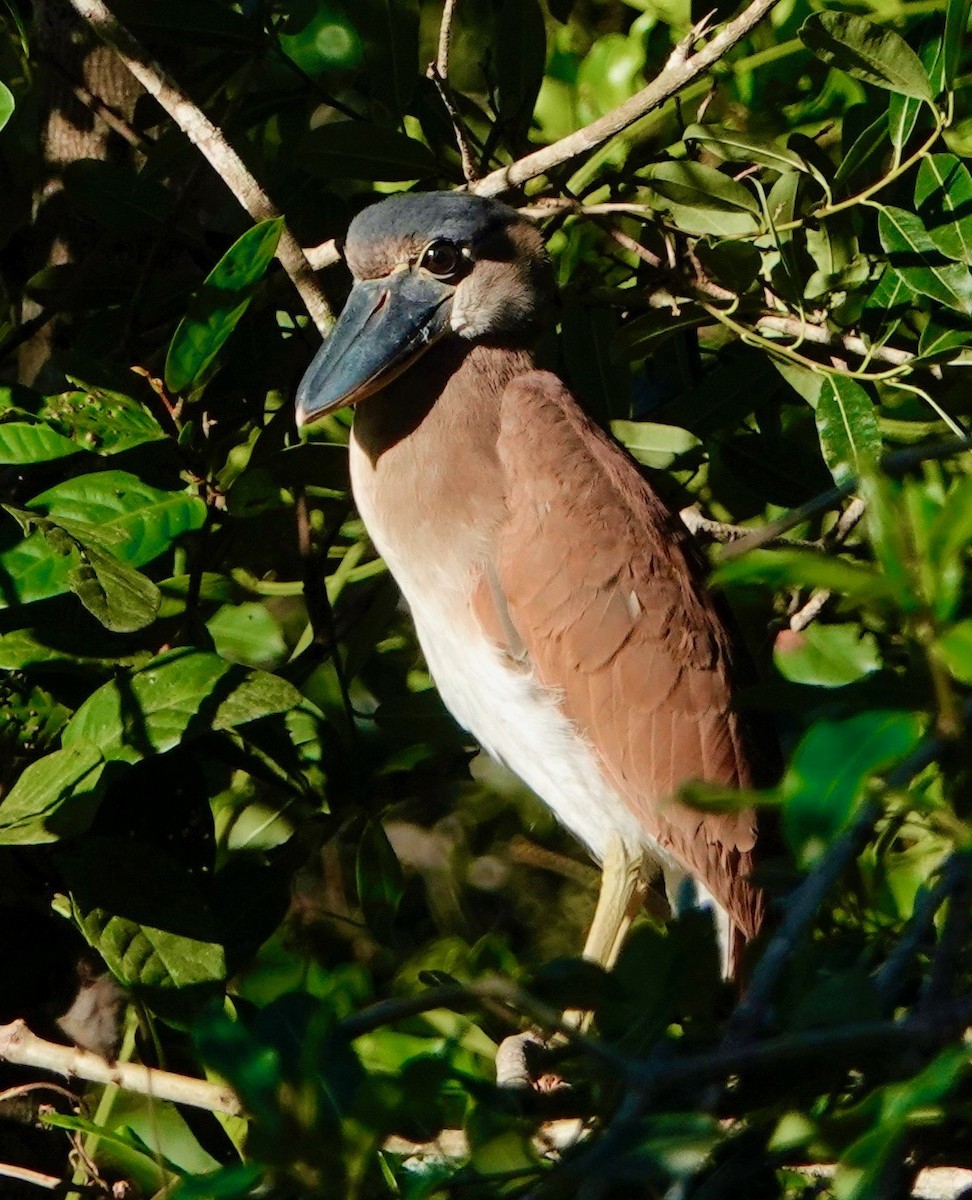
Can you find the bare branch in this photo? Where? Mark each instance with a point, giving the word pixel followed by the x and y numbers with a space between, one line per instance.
pixel 438 72
pixel 678 72
pixel 213 146
pixel 19 1045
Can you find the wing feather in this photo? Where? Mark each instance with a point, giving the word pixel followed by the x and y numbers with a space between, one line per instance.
pixel 620 625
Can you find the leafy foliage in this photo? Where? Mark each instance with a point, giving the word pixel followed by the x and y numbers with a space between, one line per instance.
pixel 224 762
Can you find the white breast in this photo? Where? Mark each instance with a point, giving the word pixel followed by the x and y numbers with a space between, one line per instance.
pixel 513 717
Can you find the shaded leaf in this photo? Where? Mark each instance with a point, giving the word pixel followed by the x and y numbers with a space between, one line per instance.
pixel 520 47
pixel 866 51
pixel 638 338
pixel 143 913
pixel 217 307
pixel 379 879
pixel 701 199
pixel 943 335
pixel 356 150
pixel 745 147
pixel 956 27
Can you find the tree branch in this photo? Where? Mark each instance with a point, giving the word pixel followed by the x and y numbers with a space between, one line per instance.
pixel 677 73
pixel 19 1045
pixel 438 72
pixel 212 145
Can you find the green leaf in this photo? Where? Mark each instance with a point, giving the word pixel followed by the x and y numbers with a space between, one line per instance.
pixel 701 199
pixel 642 336
pixel 379 878
pixel 943 198
pixel 829 769
pixel 54 797
pixel 357 150
pixel 745 147
pixel 653 444
pixel 954 648
pixel 120 597
pixel 143 913
pixel 181 695
pixel 903 112
pixel 865 155
pixel 956 27
pixel 248 634
pixel 826 655
pixel 108 509
pixel 219 304
pixel 101 420
pixel 944 333
pixel 916 258
pixel 866 51
pixel 698 186
pixel 777 569
pixel 22 443
pixel 848 428
pixel 6 104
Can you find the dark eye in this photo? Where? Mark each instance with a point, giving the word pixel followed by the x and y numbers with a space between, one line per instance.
pixel 441 259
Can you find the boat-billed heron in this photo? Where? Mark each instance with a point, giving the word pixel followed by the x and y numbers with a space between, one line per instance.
pixel 557 598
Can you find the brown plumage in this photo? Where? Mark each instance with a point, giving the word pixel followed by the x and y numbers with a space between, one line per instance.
pixel 558 599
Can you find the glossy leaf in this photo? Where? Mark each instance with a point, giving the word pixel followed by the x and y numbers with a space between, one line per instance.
pixel 829 769
pixel 6 104
pixel 181 695
pixel 217 307
pixel 848 428
pixel 101 420
pixel 944 335
pixel 914 255
pixel 54 797
pixel 826 655
pixel 943 197
pixel 356 150
pixel 112 510
pixel 866 51
pixel 22 443
pixel 652 444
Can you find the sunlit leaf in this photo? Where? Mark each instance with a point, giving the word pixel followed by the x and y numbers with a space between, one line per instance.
pixel 22 443
pixel 829 769
pixel 6 104
pixel 848 427
pixel 653 444
pixel 826 655
pixel 54 797
pixel 745 147
pixel 918 260
pixel 943 197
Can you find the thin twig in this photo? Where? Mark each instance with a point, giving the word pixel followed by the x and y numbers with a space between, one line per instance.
pixel 438 72
pixel 809 612
pixel 212 145
pixel 677 73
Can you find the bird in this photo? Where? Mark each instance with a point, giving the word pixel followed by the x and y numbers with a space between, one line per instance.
pixel 559 601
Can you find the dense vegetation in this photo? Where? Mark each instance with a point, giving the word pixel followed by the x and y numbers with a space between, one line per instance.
pixel 223 761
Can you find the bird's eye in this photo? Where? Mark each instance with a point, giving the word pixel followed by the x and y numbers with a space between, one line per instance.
pixel 441 259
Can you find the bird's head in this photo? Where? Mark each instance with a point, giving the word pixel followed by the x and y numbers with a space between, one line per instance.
pixel 426 266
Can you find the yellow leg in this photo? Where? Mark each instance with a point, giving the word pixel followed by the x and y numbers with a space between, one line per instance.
pixel 623 885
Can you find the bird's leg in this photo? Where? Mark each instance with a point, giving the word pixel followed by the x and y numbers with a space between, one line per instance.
pixel 624 882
